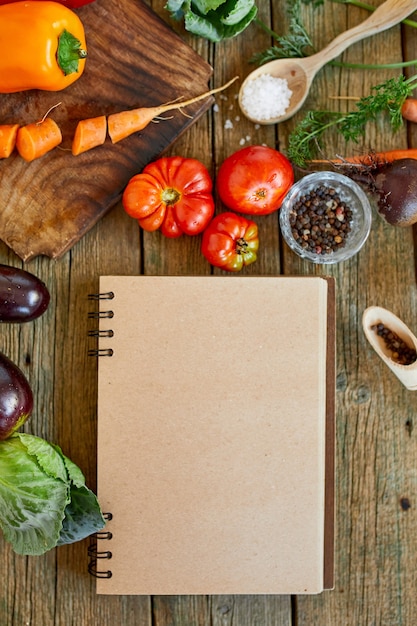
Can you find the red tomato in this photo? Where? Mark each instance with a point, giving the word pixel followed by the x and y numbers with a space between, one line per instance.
pixel 254 180
pixel 173 194
pixel 230 241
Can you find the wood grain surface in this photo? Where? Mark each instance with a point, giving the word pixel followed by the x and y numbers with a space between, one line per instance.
pixel 376 445
pixel 134 59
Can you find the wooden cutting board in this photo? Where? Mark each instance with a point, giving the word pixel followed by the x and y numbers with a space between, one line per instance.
pixel 134 59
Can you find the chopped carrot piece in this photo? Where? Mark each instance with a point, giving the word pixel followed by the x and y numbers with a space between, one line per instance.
pixel 89 134
pixel 8 134
pixel 36 139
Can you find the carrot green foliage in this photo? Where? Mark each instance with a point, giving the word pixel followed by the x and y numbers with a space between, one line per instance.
pixel 295 43
pixel 385 99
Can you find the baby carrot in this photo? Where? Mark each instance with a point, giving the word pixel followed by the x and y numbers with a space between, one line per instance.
pixel 36 139
pixel 8 133
pixel 125 123
pixel 89 133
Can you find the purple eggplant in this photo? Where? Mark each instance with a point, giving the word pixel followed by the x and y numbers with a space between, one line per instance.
pixel 23 296
pixel 16 398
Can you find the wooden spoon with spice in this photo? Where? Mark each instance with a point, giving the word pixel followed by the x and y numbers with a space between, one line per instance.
pixel 297 74
pixel 394 343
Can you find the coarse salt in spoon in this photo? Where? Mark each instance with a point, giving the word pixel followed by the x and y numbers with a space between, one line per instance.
pixel 298 74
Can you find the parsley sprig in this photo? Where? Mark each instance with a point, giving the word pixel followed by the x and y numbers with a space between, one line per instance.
pixel 386 98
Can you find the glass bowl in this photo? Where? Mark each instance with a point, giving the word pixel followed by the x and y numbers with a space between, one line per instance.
pixel 333 225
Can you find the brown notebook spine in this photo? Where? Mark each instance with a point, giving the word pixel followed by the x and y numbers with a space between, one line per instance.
pixel 95 553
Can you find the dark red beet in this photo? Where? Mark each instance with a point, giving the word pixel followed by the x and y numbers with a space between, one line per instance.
pixel 23 296
pixel 396 185
pixel 16 398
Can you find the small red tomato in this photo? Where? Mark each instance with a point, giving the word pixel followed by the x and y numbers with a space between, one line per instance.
pixel 173 194
pixel 254 180
pixel 230 242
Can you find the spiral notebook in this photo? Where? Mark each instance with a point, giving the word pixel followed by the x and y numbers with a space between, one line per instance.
pixel 215 434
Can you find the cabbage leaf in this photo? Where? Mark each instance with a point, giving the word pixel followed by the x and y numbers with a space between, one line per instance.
pixel 214 20
pixel 44 501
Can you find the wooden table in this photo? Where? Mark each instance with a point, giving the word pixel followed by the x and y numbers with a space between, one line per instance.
pixel 376 455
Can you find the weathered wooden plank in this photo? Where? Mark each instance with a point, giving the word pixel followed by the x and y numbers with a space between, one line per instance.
pixel 253 610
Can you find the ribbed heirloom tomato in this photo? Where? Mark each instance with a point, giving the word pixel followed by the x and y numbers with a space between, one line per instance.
pixel 172 194
pixel 254 180
pixel 230 242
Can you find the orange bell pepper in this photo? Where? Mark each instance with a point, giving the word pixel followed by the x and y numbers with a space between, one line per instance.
pixel 43 46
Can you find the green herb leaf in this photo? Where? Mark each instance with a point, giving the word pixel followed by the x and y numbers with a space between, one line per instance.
pixel 385 99
pixel 306 139
pixel 295 43
pixel 69 53
pixel 43 498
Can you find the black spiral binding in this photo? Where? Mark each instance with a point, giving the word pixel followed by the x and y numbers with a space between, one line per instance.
pixel 95 554
pixel 108 295
pixel 97 315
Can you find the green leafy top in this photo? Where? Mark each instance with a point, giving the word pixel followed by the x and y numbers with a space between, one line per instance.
pixel 69 53
pixel 214 20
pixel 294 44
pixel 44 501
pixel 387 99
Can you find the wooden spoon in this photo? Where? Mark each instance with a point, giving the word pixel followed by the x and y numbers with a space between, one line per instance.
pixel 300 72
pixel 374 315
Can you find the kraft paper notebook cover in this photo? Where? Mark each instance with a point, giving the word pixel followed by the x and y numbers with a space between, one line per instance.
pixel 215 435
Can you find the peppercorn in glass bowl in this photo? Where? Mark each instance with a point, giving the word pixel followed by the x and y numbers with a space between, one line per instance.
pixel 325 217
